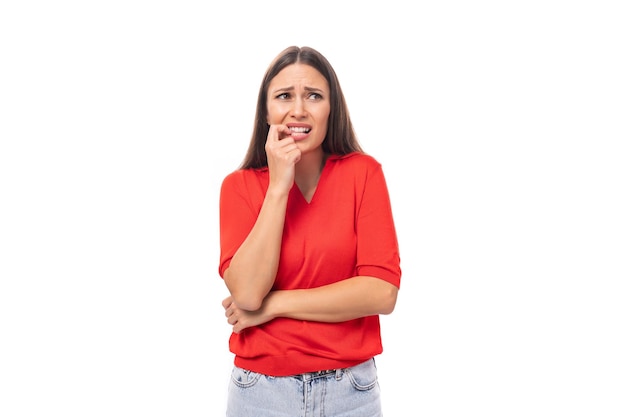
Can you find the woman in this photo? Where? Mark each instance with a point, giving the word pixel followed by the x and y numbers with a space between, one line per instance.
pixel 309 252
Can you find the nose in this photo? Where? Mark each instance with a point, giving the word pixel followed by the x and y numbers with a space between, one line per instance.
pixel 299 108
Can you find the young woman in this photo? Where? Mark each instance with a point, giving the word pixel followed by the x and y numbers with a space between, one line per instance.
pixel 309 252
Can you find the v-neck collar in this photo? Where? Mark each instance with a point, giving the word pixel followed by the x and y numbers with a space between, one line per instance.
pixel 295 189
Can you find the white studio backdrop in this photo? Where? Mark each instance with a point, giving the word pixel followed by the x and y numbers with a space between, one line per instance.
pixel 500 127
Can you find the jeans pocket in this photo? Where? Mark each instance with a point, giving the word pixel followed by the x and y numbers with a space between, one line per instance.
pixel 363 377
pixel 244 378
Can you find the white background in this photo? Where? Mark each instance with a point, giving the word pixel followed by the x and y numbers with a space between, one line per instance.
pixel 500 127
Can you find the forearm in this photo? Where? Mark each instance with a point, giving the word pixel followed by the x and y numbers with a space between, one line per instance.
pixel 252 269
pixel 344 300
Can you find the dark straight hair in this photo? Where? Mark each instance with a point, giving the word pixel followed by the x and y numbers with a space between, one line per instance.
pixel 340 139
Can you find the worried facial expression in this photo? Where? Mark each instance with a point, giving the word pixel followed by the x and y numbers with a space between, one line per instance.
pixel 299 97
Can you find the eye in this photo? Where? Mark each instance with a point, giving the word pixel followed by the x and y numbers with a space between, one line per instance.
pixel 315 96
pixel 283 96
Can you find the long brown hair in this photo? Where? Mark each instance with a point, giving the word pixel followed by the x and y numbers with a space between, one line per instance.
pixel 340 139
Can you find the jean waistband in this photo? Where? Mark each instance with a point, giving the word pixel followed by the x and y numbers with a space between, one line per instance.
pixel 322 373
pixel 337 373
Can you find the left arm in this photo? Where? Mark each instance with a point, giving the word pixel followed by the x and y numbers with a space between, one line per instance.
pixel 348 299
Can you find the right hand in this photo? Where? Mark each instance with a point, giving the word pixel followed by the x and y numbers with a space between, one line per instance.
pixel 242 319
pixel 282 156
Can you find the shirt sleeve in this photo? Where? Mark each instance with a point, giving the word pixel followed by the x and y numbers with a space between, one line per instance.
pixel 377 250
pixel 237 215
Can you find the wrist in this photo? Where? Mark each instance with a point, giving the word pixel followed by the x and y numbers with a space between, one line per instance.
pixel 273 306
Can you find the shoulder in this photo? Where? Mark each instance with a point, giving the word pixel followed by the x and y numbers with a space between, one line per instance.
pixel 246 174
pixel 245 177
pixel 357 165
pixel 355 160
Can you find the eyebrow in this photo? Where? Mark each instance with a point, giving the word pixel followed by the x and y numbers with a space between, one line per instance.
pixel 291 88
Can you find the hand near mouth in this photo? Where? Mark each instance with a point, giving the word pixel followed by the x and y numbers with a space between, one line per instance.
pixel 282 156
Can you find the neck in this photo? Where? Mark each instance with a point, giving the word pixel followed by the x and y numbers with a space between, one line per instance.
pixel 308 173
pixel 310 165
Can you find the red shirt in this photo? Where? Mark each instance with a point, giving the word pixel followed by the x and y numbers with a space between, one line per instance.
pixel 346 230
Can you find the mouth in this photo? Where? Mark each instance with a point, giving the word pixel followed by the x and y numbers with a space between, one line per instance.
pixel 300 129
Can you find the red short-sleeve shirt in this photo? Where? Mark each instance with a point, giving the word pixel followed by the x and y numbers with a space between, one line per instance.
pixel 346 230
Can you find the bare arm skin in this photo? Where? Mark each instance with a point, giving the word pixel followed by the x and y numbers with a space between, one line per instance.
pixel 252 269
pixel 344 300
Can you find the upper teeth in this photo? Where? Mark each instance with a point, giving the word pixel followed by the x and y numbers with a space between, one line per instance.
pixel 299 129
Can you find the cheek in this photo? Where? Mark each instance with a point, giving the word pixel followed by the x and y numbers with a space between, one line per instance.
pixel 272 119
pixel 275 114
pixel 325 117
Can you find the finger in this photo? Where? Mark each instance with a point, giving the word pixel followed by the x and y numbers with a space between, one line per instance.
pixel 278 133
pixel 283 132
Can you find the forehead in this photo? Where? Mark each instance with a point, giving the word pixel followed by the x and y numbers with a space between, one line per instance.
pixel 298 75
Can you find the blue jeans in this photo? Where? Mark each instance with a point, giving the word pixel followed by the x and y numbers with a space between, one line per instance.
pixel 349 392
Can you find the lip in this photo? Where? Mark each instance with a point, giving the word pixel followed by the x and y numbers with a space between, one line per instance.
pixel 300 135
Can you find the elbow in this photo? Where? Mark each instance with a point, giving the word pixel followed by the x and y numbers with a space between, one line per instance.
pixel 247 301
pixel 389 299
pixel 244 296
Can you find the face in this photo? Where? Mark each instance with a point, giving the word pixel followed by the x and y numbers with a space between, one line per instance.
pixel 299 97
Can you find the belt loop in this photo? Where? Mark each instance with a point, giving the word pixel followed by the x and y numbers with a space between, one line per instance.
pixel 338 374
